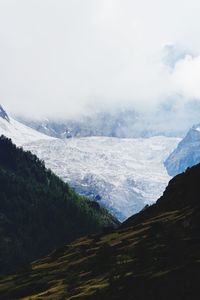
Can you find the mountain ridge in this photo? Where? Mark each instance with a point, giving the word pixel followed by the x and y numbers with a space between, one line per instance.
pixel 186 154
pixel 38 211
pixel 18 132
pixel 154 255
pixel 122 174
pixel 3 114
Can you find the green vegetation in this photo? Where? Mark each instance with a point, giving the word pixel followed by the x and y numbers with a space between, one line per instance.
pixel 38 211
pixel 154 255
pixel 144 260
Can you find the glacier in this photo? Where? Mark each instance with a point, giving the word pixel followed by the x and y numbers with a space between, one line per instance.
pixel 122 174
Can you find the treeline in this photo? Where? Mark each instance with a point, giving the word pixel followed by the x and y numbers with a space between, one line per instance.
pixel 38 211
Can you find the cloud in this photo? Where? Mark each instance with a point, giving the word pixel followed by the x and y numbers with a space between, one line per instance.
pixel 67 57
pixel 186 77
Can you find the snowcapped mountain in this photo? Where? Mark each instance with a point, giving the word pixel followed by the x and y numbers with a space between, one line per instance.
pixel 186 154
pixel 3 114
pixel 172 118
pixel 18 132
pixel 113 124
pixel 122 174
pixel 118 123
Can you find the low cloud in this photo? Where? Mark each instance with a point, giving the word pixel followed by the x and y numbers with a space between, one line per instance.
pixel 66 58
pixel 185 77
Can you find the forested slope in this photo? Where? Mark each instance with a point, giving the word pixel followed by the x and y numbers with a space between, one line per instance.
pixel 38 211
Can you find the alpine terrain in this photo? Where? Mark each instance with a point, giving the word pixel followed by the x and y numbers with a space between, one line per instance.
pixel 18 132
pixel 38 211
pixel 154 255
pixel 122 174
pixel 186 154
pixel 120 123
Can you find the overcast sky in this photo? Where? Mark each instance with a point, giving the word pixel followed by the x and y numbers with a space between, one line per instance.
pixel 65 57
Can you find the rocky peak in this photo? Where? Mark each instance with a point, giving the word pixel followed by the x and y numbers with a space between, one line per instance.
pixel 3 114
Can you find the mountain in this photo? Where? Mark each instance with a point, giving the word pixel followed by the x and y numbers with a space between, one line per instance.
pixel 186 154
pixel 38 211
pixel 112 124
pixel 154 255
pixel 122 123
pixel 172 118
pixel 122 174
pixel 17 131
pixel 3 114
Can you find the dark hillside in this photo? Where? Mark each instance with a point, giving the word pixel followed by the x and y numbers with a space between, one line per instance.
pixel 154 255
pixel 38 211
pixel 183 192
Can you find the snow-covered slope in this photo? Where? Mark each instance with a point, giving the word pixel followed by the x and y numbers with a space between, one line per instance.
pixel 123 174
pixel 186 154
pixel 19 133
pixel 120 124
pixel 116 123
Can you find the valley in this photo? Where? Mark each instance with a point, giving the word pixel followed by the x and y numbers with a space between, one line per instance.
pixel 153 255
pixel 99 150
pixel 122 174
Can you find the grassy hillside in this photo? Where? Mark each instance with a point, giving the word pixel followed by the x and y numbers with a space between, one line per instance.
pixel 38 211
pixel 154 255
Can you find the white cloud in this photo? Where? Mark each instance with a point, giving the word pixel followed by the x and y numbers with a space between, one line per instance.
pixel 63 57
pixel 186 77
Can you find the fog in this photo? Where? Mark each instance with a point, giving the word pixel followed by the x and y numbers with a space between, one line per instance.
pixel 65 58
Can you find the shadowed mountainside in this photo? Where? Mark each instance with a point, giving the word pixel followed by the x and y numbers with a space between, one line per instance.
pixel 154 255
pixel 38 211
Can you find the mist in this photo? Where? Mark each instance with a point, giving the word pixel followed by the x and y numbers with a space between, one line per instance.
pixel 66 58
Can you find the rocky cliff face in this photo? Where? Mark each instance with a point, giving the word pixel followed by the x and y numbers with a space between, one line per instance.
pixel 186 154
pixel 3 114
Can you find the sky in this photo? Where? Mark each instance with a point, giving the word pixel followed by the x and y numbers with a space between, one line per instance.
pixel 63 58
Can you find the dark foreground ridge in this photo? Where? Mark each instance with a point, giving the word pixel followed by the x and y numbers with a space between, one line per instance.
pixel 38 211
pixel 154 255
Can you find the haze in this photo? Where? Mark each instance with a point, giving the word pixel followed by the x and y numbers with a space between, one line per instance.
pixel 63 58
